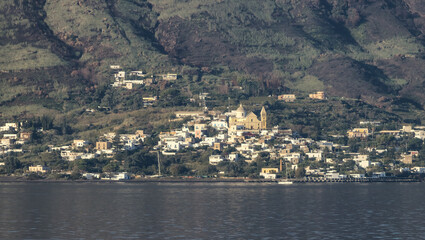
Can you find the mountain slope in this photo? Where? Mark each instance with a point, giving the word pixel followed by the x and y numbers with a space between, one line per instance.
pixel 358 48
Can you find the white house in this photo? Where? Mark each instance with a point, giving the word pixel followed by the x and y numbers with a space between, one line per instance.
pixel 175 146
pixel 378 174
pixel 88 156
pixel 361 157
pixel 119 76
pixel 210 141
pixel 215 159
pixel 120 176
pixel 219 124
pixel 365 164
pixel 90 176
pixel 357 175
pixel 332 175
pixel 8 127
pixel 292 157
pixel 420 134
pixel 79 143
pixel 316 155
pixel 233 157
pixel 419 169
pixel 10 136
pixel 71 156
pixel 137 73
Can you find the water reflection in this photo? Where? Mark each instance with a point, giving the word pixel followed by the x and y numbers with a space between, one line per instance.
pixel 210 211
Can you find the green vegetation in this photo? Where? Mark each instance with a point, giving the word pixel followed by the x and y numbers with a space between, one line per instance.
pixel 56 57
pixel 17 57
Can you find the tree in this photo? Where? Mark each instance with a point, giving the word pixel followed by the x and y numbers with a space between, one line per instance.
pixel 11 164
pixel 235 169
pixel 300 172
pixel 172 97
pixel 64 128
pixel 46 122
pixel 178 169
pixel 83 165
pixel 112 166
pixel 207 170
pixel 414 144
pixel 137 161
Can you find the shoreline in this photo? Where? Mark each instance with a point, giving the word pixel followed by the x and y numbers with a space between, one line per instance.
pixel 9 179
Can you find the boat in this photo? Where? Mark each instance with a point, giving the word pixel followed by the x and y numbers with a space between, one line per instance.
pixel 285 182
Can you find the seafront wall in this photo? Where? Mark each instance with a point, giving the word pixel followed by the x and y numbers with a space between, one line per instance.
pixel 217 180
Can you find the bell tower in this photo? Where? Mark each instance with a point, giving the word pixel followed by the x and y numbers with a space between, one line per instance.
pixel 263 118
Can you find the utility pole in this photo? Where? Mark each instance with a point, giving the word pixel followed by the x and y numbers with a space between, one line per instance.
pixel 281 167
pixel 159 165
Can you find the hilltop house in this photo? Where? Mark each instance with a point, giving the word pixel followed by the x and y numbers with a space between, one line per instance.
pixel 169 76
pixel 38 169
pixel 358 132
pixel 103 145
pixel 318 95
pixel 79 143
pixel 287 97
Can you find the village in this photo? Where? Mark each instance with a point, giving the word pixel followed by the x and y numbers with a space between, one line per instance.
pixel 237 136
pixel 233 136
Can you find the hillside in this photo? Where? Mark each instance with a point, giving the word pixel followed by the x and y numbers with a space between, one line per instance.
pixel 56 53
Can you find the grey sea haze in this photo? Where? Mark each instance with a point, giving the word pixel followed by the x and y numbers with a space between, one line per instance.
pixel 211 211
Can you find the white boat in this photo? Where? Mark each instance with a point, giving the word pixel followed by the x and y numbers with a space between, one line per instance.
pixel 285 182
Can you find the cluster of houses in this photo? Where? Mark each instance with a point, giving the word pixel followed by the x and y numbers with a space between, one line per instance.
pixel 12 138
pixel 107 146
pixel 417 131
pixel 245 133
pixel 133 78
pixel 249 136
pixel 320 95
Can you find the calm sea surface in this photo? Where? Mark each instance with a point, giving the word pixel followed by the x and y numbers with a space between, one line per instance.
pixel 211 211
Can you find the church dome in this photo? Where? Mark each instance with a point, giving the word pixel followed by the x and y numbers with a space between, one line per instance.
pixel 240 112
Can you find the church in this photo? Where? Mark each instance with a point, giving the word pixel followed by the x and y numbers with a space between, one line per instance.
pixel 240 120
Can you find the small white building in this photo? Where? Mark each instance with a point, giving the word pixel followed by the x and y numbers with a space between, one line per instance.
pixel 90 176
pixel 77 143
pixel 38 169
pixel 215 159
pixel 419 169
pixel 8 127
pixel 365 164
pixel 137 73
pixel 169 76
pixel 357 175
pixel 361 157
pixel 210 141
pixel 333 175
pixel 316 155
pixel 88 156
pixel 219 124
pixel 120 176
pixel 175 146
pixel 420 134
pixel 233 157
pixel 10 136
pixel 378 174
pixel 115 67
